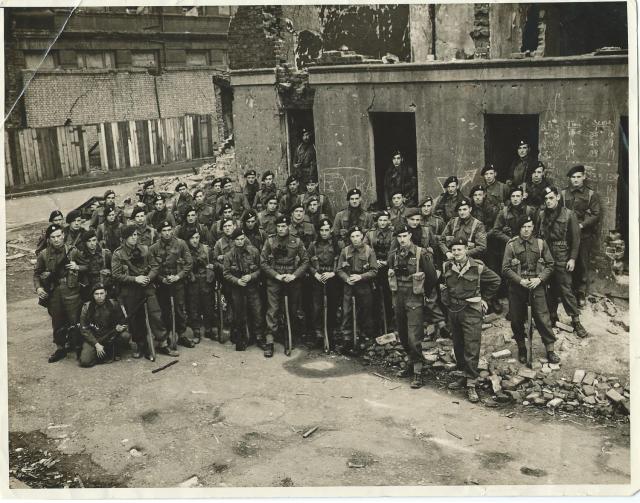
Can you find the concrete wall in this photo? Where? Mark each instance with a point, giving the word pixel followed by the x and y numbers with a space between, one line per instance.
pixel 454 23
pixel 579 100
pixel 507 23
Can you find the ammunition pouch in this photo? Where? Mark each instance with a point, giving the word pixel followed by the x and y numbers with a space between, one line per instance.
pixel 418 283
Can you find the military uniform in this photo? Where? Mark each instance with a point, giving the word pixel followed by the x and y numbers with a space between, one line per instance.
pixel 148 201
pixel 446 205
pixel 398 215
pixel 250 190
pixel 323 257
pixel 485 212
pixel 220 249
pixel 147 235
pixel 496 193
pixel 471 230
pixel 436 224
pixel 520 170
pixel 324 204
pixel 288 201
pixel 156 217
pixel 237 200
pixel 183 202
pixel 256 236
pixel 181 231
pixel 109 234
pixel 199 287
pixel 98 216
pixel 400 179
pixel 536 193
pixel 97 325
pixel 304 164
pixel 93 268
pixel 381 240
pixel 71 237
pixel 216 232
pixel 263 195
pixel 348 218
pixel 303 230
pixel 247 308
pixel 206 214
pixel 267 221
pixel 406 265
pixel 362 261
pixel 504 228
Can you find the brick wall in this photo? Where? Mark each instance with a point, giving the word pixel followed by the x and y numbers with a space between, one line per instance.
pixel 254 37
pixel 14 61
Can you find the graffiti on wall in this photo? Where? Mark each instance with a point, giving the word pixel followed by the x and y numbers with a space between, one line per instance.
pixel 337 181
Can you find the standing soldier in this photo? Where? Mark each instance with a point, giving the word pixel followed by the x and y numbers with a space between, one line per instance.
pixel 449 199
pixel 400 178
pixel 300 227
pixel 436 224
pixel 55 279
pixel 559 228
pixel 191 223
pixel 497 193
pixel 521 168
pixel 214 192
pixel 94 265
pixel 304 163
pixel 147 235
pixel 323 258
pixel 220 249
pixel 103 327
pixel 467 227
pixel 109 231
pixel 236 200
pixel 241 268
pixel 585 204
pixel 73 231
pixel 216 232
pixel 269 215
pixel 313 215
pixel 267 190
pixel 352 216
pixel 99 214
pixel 397 210
pixel 482 207
pixel 535 189
pixel 527 266
pixel 134 275
pixel 358 268
pixel 380 238
pixel 291 196
pixel 55 217
pixel 324 203
pixel 251 186
pixel 284 261
pixel 468 283
pixel 184 201
pixel 411 278
pixel 206 213
pixel 160 213
pixel 199 287
pixel 148 195
pixel 171 257
pixel 252 230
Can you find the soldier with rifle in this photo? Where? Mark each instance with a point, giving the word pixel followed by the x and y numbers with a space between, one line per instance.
pixel 108 232
pixel 200 287
pixel 527 266
pixel 55 279
pixel 103 327
pixel 73 231
pixel 353 215
pixel 55 217
pixel 94 264
pixel 223 291
pixel 380 238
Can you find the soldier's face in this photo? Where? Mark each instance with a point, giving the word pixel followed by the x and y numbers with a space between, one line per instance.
pixel 110 200
pixel 311 187
pixel 523 150
pixel 251 179
pixel 150 189
pixel 414 221
pixel 182 190
pixel 228 228
pixel 306 137
pixel 356 238
pixel 92 244
pixel 166 233
pixel 478 197
pixel 239 241
pixel 217 188
pixel 452 188
pixel 426 208
pixel 272 204
pixel 577 179
pixel 464 211
pixel 313 207
pixel 227 214
pixel 459 252
pixel 298 214
pixel 537 174
pixel 75 224
pixel 227 187
pixel 195 240
pixel 58 220
pixel 354 201
pixel 111 216
pixel 268 180
pixel 251 223
pixel 293 186
pixel 282 229
pixel 57 238
pixel 516 198
pixel 397 160
pixel 100 296
pixel 404 239
pixel 133 239
pixel 396 200
pixel 383 222
pixel 159 205
pixel 199 197
pixel 139 218
pixel 325 231
pixel 526 230
pixel 551 200
pixel 489 176
pixel 192 217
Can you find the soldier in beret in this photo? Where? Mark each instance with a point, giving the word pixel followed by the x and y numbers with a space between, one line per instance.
pixel 251 186
pixel 148 197
pixel 447 201
pixel 171 258
pixel 300 227
pixel 94 265
pixel 184 201
pixel 55 217
pixel 252 230
pixel 199 287
pixel 527 266
pixel 73 231
pixel 483 208
pixel 497 193
pixel 468 284
pixel 400 178
pixel 191 223
pixel 521 168
pixel 55 279
pixel 269 215
pixel 291 196
pixel 100 212
pixel 206 213
pixel 236 200
pixel 109 231
pixel 353 215
pixel 397 210
pixel 585 203
pixel 312 213
pixel 467 227
pixel 160 213
pixel 435 223
pixel 226 213
pixel 411 278
pixel 304 160
pixel 147 235
pixel 283 261
pixel 381 238
pixel 213 192
pixel 357 268
pixel 325 207
pixel 267 189
pixel 535 189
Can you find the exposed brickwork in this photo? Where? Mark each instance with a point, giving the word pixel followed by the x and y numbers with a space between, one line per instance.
pixel 293 87
pixel 255 38
pixel 481 30
pixel 344 58
pixel 14 61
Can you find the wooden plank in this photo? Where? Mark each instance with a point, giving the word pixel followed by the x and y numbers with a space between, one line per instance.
pixel 33 145
pixel 187 136
pixel 142 138
pixel 163 144
pixel 85 148
pixel 196 136
pixel 43 152
pixel 25 159
pixel 108 144
pixel 63 158
pixel 71 158
pixel 209 136
pixel 65 149
pixel 116 147
pixel 52 136
pixel 123 131
pixel 77 150
pixel 16 157
pixel 8 165
pixel 133 130
pixel 180 132
pixel 31 163
pixel 152 153
pixel 104 160
pixel 168 139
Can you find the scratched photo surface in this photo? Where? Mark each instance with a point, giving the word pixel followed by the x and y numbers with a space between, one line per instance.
pixel 404 330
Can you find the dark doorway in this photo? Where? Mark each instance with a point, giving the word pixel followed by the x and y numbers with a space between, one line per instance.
pixel 392 131
pixel 622 207
pixel 297 120
pixel 502 132
pixel 530 35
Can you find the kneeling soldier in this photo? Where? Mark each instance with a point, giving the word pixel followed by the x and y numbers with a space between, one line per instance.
pixel 468 284
pixel 411 277
pixel 527 266
pixel 103 327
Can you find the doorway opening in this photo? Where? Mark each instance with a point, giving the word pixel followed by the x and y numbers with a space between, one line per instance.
pixel 392 131
pixel 297 120
pixel 502 132
pixel 622 205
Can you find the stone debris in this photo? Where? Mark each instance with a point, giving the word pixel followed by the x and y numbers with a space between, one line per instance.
pixel 190 482
pixel 501 354
pixel 562 326
pixel 578 376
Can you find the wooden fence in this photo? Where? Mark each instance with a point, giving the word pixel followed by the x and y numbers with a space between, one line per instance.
pixel 40 154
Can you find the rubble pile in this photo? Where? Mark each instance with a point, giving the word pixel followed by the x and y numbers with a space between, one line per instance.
pixel 40 473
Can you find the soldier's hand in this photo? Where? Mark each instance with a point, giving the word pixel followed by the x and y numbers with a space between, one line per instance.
pixel 121 328
pixel 45 274
pixel 525 283
pixel 288 278
pixel 328 275
pixel 142 280
pixel 242 282
pixel 105 272
pixel 72 266
pixel 571 265
pixel 355 278
pixel 534 283
pixel 485 306
pixel 100 350
pixel 42 294
pixel 246 278
pixel 319 277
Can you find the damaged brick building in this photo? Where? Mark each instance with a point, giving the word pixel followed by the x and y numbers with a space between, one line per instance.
pixel 104 88
pixel 467 81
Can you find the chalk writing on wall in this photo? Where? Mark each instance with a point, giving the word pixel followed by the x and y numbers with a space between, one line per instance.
pixel 337 181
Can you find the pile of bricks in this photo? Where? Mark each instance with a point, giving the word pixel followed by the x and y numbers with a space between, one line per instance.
pixel 344 57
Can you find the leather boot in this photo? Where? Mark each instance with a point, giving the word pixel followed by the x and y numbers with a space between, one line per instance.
pixel 268 350
pixel 579 329
pixel 522 352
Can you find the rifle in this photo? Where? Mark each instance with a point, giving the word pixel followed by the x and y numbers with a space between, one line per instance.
pixel 287 350
pixel 326 333
pixel 173 338
pixel 152 348
pixel 384 310
pixel 219 302
pixel 54 276
pixel 355 322
pixel 530 330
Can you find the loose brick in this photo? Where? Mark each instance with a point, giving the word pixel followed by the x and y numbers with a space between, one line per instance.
pixel 578 376
pixel 614 396
pixel 501 354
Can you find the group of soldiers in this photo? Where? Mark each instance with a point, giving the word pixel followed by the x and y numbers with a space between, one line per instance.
pixel 266 265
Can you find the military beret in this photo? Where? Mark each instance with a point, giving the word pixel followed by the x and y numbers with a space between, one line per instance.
pixel 313 178
pixel 576 169
pixel 383 213
pixel 296 206
pixel 353 192
pixel 524 220
pixel 87 235
pixel 412 212
pixel 181 185
pixel 550 189
pixel 355 228
pixel 487 167
pixel 73 215
pixel 427 199
pixel 463 202
pixel 216 181
pixel 109 193
pixel 401 229
pixel 283 219
pixel 54 214
pixel 476 188
pixel 272 197
pixel 127 231
pixel 306 130
pixel 190 233
pixel 523 143
pixel 97 286
pixel 517 188
pixel 163 224
pixel 136 210
pixel 225 207
pixel 266 174
pixel 322 222
pixel 459 241
pixel 188 210
pixel 291 178
pixel 52 228
pixel 159 197
pixel 250 172
pixel 311 199
pixel 236 233
pixel 540 164
pixel 108 210
pixel 395 153
pixel 228 220
pixel 148 183
pixel 249 214
pixel 224 181
pixel 449 180
pixel 396 192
